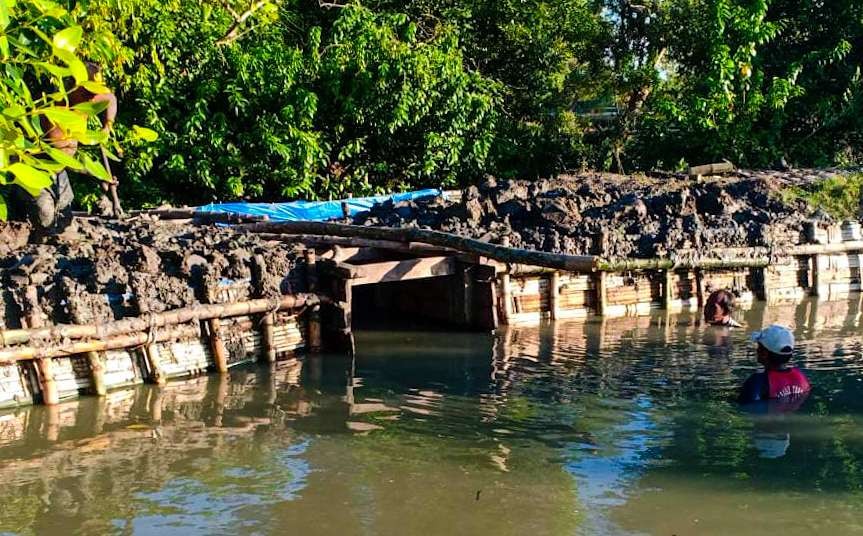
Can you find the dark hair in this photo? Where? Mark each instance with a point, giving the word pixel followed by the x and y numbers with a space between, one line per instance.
pixel 774 359
pixel 719 302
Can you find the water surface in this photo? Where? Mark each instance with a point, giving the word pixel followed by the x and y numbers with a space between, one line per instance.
pixel 614 426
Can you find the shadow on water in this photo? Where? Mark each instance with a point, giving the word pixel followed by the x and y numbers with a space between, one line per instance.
pixel 612 426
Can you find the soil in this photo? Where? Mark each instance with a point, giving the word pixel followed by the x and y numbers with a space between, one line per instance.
pixel 100 270
pixel 616 216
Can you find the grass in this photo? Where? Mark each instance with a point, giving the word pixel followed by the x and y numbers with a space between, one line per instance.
pixel 838 196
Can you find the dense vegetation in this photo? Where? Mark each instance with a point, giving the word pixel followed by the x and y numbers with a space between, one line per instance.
pixel 272 99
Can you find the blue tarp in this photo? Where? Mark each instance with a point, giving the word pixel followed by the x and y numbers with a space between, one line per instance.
pixel 313 210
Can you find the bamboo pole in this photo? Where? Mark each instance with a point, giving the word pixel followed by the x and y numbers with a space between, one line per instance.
pixel 45 367
pixel 97 373
pixel 128 340
pixel 267 319
pixel 194 313
pixel 217 343
pixel 668 289
pixel 154 363
pixel 506 298
pixel 314 315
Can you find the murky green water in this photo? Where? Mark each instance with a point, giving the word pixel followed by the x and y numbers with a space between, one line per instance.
pixel 614 427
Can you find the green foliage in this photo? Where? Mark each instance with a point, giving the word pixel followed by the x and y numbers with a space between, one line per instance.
pixel 39 46
pixel 281 99
pixel 296 104
pixel 839 196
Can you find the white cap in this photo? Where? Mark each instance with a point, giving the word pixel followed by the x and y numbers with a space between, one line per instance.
pixel 778 339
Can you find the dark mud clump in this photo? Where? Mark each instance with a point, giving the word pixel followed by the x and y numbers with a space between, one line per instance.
pixel 98 271
pixel 612 215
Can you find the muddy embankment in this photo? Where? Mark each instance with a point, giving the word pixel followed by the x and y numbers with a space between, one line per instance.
pixel 618 216
pixel 98 271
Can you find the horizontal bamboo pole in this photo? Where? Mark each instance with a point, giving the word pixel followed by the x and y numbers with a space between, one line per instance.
pixel 23 353
pixel 573 263
pixel 62 332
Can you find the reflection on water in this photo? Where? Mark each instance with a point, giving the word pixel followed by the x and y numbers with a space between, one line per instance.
pixel 622 426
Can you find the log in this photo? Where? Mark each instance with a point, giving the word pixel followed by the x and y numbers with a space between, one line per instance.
pixel 711 169
pixel 506 298
pixel 601 287
pixel 435 238
pixel 23 353
pixel 61 332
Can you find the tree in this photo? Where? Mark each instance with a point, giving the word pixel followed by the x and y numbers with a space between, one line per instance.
pixel 39 46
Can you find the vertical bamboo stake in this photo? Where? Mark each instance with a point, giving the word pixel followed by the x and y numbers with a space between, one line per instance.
pixel 601 293
pixel 97 371
pixel 33 318
pixel 506 298
pixel 467 296
pixel 699 288
pixel 554 294
pixel 151 355
pixel 817 266
pixel 154 363
pixel 94 361
pixel 668 289
pixel 50 393
pixel 314 326
pixel 267 320
pixel 217 345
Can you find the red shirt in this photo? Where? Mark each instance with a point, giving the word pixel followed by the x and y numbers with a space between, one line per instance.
pixel 788 382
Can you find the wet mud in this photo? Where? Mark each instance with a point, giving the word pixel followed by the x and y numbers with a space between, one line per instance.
pixel 98 271
pixel 617 216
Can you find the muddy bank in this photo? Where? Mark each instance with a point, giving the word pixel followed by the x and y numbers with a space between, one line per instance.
pixel 99 271
pixel 617 216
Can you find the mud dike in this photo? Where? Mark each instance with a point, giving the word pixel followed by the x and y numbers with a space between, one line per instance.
pixel 173 294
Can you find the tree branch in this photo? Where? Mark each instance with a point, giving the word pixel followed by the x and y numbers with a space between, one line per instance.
pixel 233 32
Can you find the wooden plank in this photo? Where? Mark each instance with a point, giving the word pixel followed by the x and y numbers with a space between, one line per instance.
pixel 382 272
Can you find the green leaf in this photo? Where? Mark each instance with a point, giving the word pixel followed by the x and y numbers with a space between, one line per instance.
pixel 91 108
pixel 62 158
pixel 30 178
pixel 56 70
pixel 67 119
pixel 95 87
pixel 76 66
pixel 4 211
pixel 4 44
pixel 144 133
pixel 14 110
pixel 95 168
pixel 68 39
pixel 4 18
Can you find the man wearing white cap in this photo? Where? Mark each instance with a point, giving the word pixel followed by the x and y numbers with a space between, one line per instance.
pixel 778 381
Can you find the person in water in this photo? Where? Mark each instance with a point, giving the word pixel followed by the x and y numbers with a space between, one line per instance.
pixel 718 309
pixel 778 381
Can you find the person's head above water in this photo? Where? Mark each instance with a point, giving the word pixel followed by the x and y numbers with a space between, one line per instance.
pixel 718 308
pixel 775 346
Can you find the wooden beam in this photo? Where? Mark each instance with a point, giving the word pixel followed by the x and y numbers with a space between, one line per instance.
pixel 554 294
pixel 419 268
pixel 436 238
pixel 601 288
